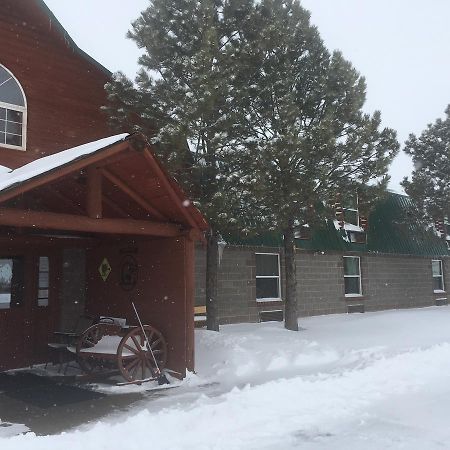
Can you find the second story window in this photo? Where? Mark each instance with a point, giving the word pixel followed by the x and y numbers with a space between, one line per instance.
pixel 13 112
pixel 350 208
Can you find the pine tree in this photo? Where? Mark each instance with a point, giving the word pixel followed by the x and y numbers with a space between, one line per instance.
pixel 429 186
pixel 185 98
pixel 307 139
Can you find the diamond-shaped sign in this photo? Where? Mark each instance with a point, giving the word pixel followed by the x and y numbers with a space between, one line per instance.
pixel 104 269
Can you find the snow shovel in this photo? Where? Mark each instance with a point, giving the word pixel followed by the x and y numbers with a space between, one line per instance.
pixel 160 377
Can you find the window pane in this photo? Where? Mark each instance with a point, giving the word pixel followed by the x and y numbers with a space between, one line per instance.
pixel 2 125
pixel 437 284
pixel 43 264
pixel 15 116
pixel 267 265
pixel 2 138
pixel 14 128
pixel 351 217
pixel 351 266
pixel 43 281
pixel 43 293
pixel 4 75
pixel 11 282
pixel 6 267
pixel 2 113
pixel 436 267
pixel 350 201
pixel 13 139
pixel 267 288
pixel 352 285
pixel 10 92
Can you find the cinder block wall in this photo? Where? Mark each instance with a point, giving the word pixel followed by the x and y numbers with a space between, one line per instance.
pixel 399 282
pixel 320 283
pixel 236 284
pixel 388 282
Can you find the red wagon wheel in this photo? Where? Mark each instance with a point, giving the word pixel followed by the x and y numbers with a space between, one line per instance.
pixel 134 359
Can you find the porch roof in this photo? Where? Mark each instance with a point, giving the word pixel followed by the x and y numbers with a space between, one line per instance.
pixel 10 179
pixel 113 185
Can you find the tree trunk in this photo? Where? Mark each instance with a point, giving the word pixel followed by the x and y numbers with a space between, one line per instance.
pixel 212 263
pixel 291 314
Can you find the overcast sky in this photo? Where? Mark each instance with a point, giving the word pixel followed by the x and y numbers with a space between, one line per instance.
pixel 400 46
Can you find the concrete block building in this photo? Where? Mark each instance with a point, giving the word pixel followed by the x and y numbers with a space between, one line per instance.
pixel 341 267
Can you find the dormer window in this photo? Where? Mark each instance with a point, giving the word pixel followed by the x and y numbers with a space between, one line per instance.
pixel 350 208
pixel 348 222
pixel 13 112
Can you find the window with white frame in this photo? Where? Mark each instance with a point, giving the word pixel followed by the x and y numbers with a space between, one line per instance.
pixel 352 276
pixel 267 277
pixel 438 275
pixel 13 111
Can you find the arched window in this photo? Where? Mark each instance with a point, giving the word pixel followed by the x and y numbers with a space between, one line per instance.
pixel 13 111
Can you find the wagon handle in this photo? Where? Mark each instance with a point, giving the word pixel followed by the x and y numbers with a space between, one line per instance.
pixel 161 378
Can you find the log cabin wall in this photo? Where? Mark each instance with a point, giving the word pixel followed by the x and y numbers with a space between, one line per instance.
pixel 159 287
pixel 27 325
pixel 64 89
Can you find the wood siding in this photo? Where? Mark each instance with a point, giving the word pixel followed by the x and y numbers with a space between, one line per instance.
pixel 64 90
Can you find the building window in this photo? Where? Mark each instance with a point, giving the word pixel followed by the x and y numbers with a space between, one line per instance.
pixel 351 215
pixel 11 282
pixel 268 277
pixel 13 111
pixel 438 275
pixel 43 281
pixel 352 276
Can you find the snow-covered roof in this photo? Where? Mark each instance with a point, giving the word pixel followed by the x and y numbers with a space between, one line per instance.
pixel 9 178
pixel 348 227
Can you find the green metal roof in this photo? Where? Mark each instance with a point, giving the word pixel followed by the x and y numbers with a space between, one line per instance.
pixel 390 231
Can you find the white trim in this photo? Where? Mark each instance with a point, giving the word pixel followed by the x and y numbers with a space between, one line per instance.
pixel 360 294
pixel 441 276
pixel 22 109
pixel 270 299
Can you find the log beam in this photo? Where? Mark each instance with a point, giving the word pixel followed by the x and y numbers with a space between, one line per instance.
pixel 115 207
pixel 113 179
pixel 68 222
pixel 148 155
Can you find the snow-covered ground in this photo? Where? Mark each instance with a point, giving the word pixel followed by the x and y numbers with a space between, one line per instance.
pixel 361 381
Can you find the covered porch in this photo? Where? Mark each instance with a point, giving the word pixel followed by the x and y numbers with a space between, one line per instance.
pixel 86 231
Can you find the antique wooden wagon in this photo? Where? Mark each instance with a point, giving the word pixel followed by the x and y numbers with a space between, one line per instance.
pixel 140 354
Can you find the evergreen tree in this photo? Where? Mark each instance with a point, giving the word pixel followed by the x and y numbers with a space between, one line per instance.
pixel 185 97
pixel 429 186
pixel 306 137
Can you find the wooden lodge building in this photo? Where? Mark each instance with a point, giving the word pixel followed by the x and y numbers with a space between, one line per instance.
pixel 87 222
